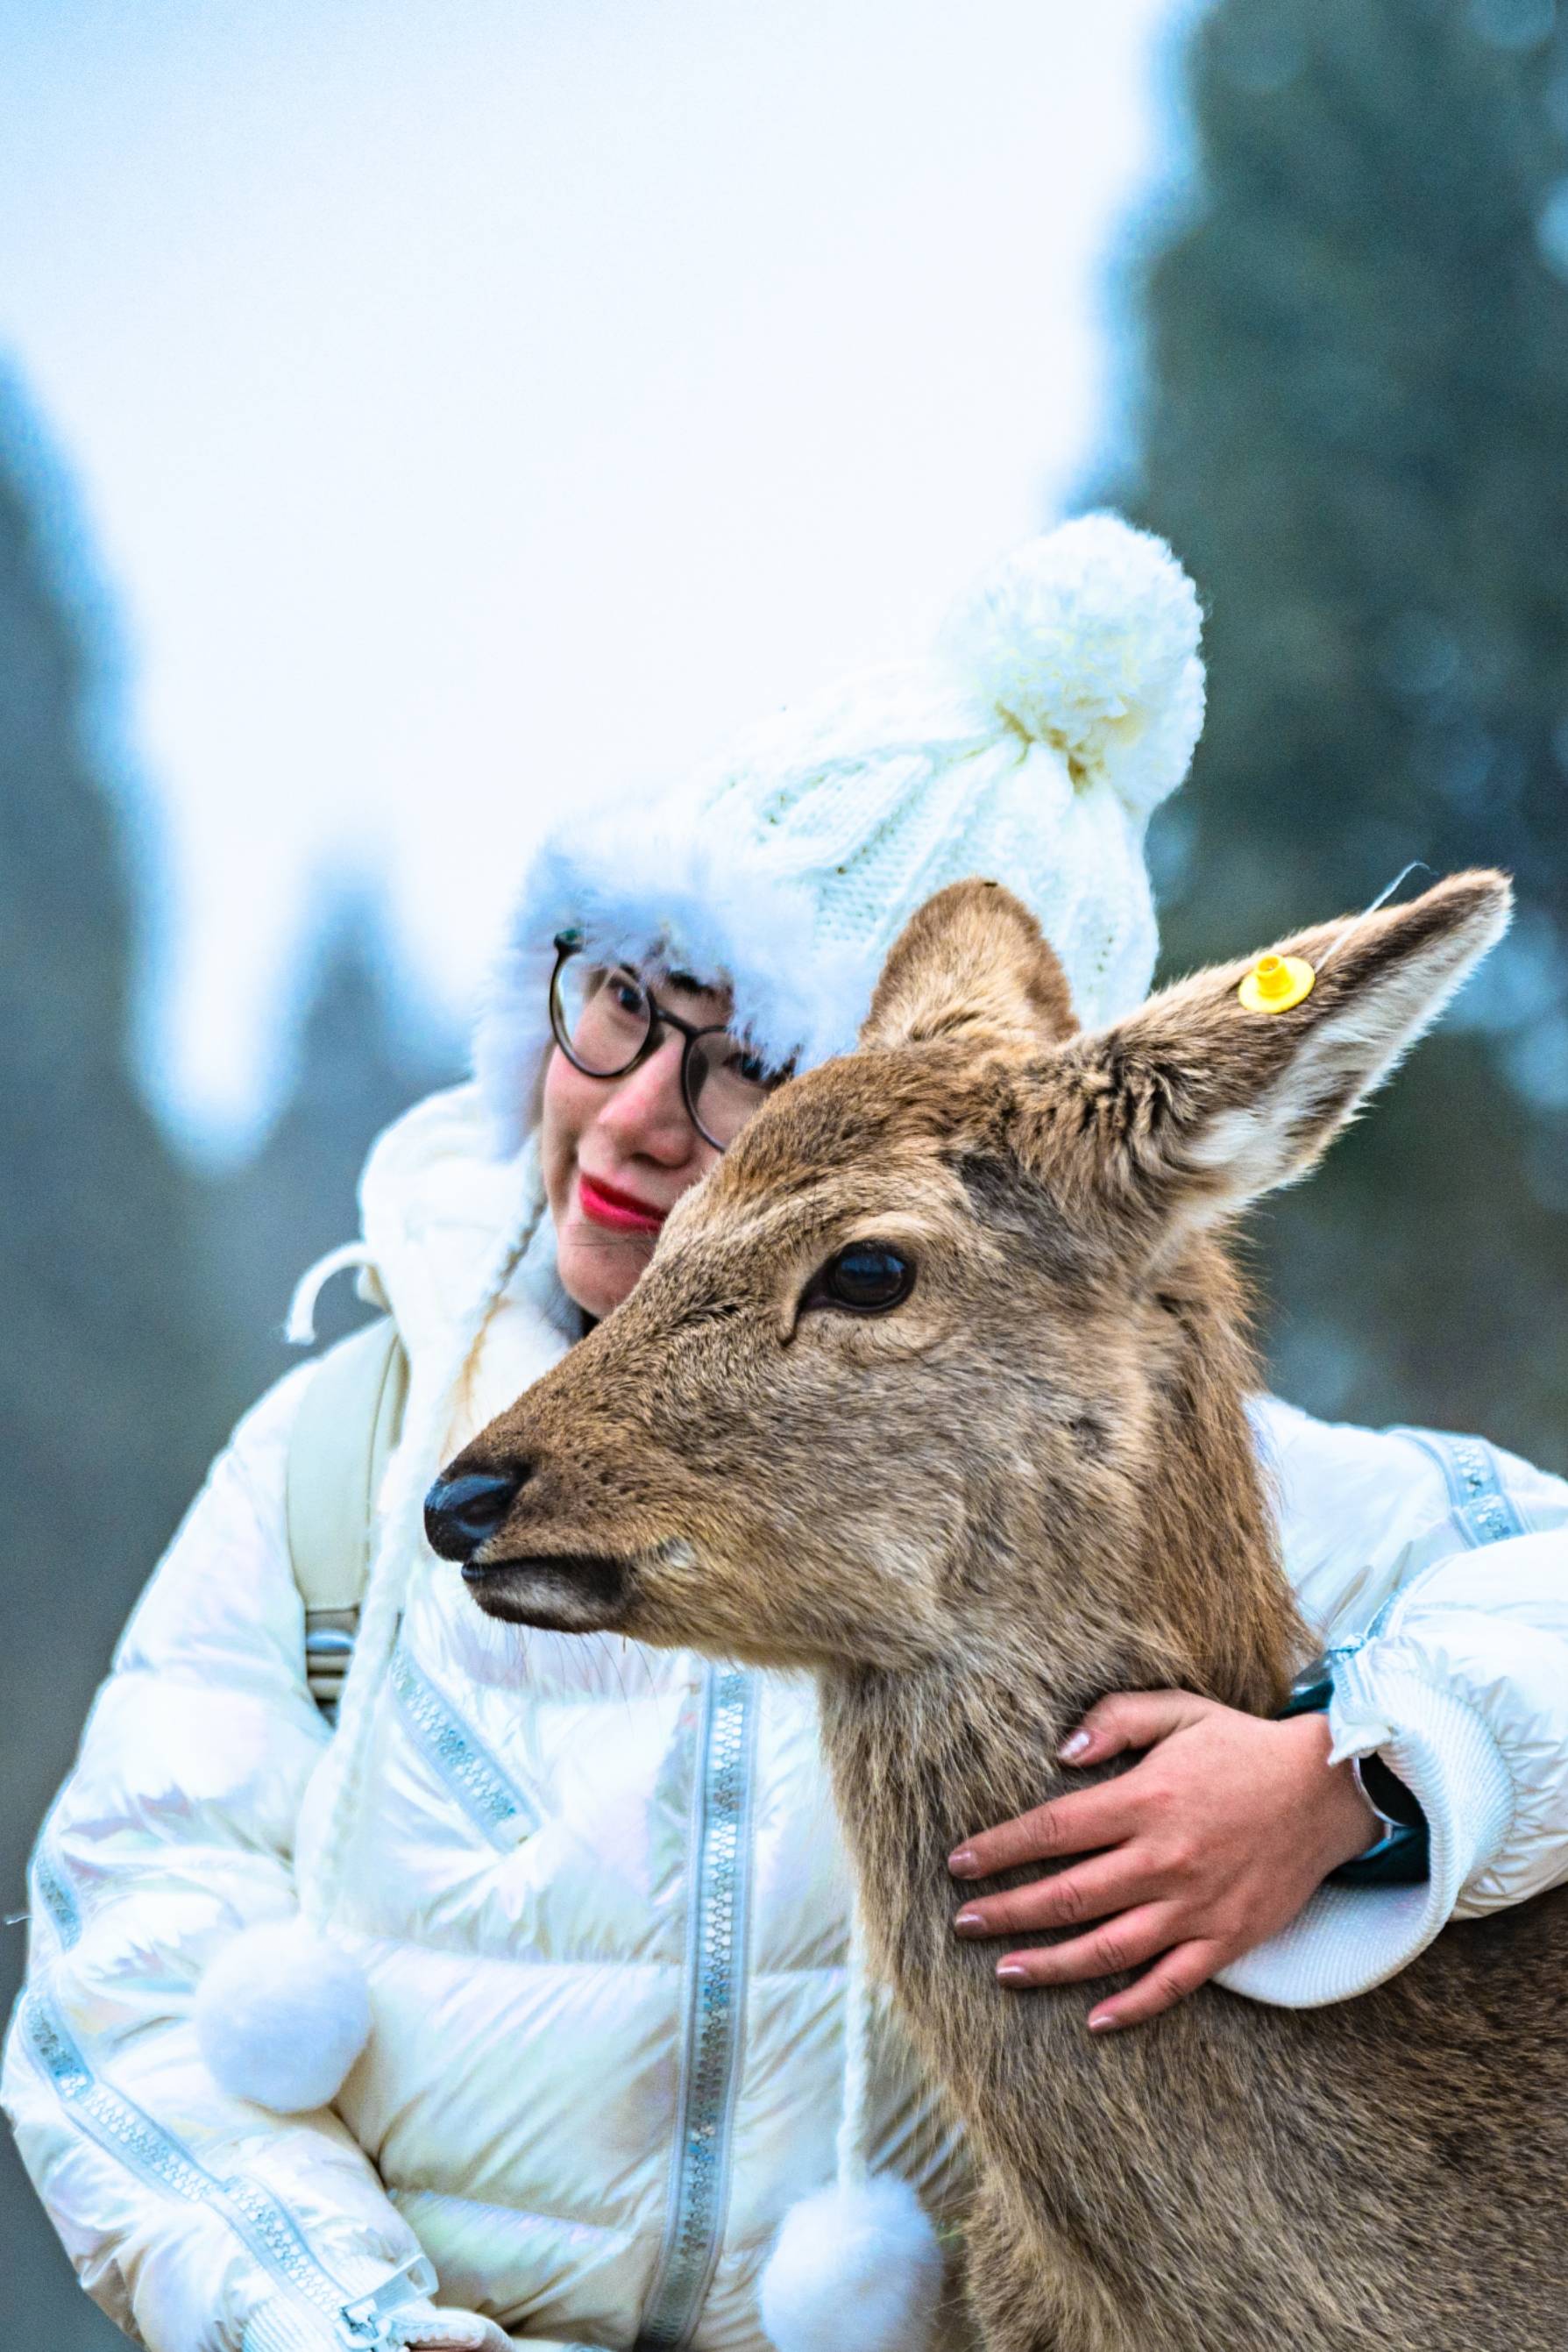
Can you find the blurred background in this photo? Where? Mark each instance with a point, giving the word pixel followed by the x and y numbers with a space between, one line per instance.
pixel 411 417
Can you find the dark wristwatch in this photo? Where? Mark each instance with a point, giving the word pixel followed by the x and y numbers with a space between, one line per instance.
pixel 1402 1856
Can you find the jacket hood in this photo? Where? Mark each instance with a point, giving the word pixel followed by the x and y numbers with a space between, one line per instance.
pixel 434 1201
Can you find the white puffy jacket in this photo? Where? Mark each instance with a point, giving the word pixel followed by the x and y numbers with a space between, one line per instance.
pixel 601 1899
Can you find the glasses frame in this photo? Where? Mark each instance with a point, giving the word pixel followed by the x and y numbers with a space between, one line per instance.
pixel 570 943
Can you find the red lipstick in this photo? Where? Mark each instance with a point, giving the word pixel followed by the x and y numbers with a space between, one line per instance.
pixel 622 1212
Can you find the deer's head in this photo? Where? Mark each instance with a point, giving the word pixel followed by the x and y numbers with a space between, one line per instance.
pixel 946 1337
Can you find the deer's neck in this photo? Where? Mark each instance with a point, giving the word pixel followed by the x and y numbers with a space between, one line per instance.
pixel 921 1760
pixel 1057 1613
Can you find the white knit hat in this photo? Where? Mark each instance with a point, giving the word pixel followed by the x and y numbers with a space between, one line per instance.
pixel 1060 707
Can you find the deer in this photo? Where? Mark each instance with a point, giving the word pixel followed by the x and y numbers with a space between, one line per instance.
pixel 936 1388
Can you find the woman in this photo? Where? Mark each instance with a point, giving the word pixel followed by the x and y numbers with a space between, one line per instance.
pixel 596 1893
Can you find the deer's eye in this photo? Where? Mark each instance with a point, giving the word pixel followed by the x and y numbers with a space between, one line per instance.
pixel 867 1279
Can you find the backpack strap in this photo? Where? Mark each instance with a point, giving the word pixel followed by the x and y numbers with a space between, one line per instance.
pixel 346 1427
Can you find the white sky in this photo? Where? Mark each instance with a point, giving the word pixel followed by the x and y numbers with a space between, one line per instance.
pixel 473 406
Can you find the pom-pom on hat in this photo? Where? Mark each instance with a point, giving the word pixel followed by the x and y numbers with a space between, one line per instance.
pixel 1059 708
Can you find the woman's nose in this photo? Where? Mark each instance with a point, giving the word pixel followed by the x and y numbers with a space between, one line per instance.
pixel 461 1512
pixel 646 1110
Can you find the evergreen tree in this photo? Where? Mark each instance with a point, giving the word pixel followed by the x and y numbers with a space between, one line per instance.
pixel 1354 426
pixel 106 1394
pixel 143 1303
pixel 364 1056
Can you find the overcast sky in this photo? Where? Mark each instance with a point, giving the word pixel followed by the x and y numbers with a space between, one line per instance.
pixel 472 407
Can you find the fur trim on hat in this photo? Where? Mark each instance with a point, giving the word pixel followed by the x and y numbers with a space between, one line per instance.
pixel 651 890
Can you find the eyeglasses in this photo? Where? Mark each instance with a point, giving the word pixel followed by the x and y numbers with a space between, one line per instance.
pixel 607 1020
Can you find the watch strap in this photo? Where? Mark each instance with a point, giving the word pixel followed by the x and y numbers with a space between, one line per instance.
pixel 1402 1856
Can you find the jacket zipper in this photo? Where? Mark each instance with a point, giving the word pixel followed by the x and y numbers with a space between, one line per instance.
pixel 491 1799
pixel 55 1891
pixel 1483 1509
pixel 126 2133
pixel 715 1977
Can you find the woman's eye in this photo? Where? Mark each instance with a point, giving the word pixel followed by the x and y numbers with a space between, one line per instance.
pixel 626 993
pixel 748 1069
pixel 867 1279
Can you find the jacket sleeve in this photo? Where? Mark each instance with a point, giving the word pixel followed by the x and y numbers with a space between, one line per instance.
pixel 1434 1572
pixel 199 2223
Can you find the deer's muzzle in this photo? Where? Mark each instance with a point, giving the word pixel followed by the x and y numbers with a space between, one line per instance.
pixel 572 1592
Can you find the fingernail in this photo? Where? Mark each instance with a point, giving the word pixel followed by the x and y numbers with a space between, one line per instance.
pixel 1012 1972
pixel 969 1923
pixel 961 1862
pixel 1104 2021
pixel 1075 1745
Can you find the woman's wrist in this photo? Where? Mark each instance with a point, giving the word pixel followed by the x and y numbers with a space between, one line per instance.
pixel 1345 1823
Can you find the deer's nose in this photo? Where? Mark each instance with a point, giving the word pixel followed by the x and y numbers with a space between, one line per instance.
pixel 459 1513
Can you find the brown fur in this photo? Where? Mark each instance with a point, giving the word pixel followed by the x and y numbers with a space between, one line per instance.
pixel 1029 1485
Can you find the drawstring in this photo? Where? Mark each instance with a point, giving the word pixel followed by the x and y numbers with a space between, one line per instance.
pixel 400 1542
pixel 856 2266
pixel 853 2162
pixel 300 1330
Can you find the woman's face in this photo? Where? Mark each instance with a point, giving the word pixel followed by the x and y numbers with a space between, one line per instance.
pixel 617 1154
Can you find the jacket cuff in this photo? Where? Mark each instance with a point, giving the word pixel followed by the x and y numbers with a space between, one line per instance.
pixel 1349 1938
pixel 284 2324
pixel 281 2324
pixel 423 2328
pixel 284 2321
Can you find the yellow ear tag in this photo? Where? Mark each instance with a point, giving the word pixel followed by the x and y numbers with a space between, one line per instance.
pixel 1276 983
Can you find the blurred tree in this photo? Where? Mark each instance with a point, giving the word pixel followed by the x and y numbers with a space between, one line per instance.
pixel 105 1391
pixel 364 1055
pixel 1352 424
pixel 143 1303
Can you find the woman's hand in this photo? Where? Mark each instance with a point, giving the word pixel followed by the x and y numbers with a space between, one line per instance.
pixel 1209 1845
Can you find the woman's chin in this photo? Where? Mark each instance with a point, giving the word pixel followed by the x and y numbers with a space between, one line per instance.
pixel 598 1270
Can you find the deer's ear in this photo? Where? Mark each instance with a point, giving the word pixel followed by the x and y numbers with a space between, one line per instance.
pixel 1202 1100
pixel 971 959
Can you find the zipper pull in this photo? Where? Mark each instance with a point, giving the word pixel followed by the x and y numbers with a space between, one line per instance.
pixel 366 2323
